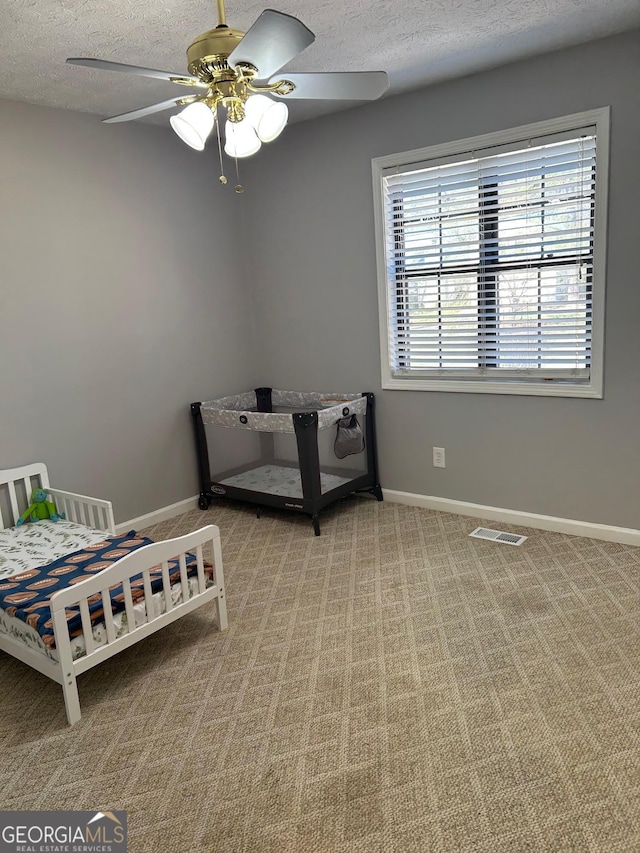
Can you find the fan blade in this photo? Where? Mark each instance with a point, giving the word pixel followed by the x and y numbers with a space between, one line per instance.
pixel 342 85
pixel 272 41
pixel 154 108
pixel 105 65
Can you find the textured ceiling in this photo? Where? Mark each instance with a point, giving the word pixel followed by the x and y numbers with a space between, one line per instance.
pixel 415 41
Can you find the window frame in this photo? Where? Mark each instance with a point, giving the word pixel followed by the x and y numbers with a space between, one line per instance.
pixel 600 118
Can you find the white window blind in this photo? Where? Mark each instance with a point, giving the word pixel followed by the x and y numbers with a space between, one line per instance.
pixel 489 260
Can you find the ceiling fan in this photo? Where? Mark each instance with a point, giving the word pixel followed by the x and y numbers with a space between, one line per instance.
pixel 234 73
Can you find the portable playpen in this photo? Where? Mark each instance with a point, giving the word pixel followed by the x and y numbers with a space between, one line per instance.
pixel 292 441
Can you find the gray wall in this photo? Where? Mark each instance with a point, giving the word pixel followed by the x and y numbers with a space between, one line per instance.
pixel 314 278
pixel 126 295
pixel 121 302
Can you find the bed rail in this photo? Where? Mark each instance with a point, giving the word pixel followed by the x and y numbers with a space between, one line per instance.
pixel 16 485
pixel 92 512
pixel 139 562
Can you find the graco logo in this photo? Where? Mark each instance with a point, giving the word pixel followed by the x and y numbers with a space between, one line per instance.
pixel 218 490
pixel 63 832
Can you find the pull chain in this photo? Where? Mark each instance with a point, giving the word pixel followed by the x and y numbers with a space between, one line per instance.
pixel 222 178
pixel 239 188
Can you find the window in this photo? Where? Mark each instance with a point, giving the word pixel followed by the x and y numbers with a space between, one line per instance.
pixel 491 261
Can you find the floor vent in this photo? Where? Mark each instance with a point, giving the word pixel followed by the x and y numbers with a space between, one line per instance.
pixel 498 536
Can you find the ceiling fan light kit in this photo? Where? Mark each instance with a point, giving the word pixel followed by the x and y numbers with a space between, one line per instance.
pixel 232 74
pixel 194 124
pixel 242 140
pixel 268 117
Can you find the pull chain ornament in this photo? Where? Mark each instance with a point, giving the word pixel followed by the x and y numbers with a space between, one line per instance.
pixel 222 177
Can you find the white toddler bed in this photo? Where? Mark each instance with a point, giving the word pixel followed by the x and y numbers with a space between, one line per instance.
pixel 88 523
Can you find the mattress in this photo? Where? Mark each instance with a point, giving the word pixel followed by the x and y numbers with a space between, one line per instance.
pixel 36 545
pixel 22 548
pixel 279 480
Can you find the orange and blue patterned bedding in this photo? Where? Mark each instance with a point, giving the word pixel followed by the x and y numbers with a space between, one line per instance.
pixel 26 595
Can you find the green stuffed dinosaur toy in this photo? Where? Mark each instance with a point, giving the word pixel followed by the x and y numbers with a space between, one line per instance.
pixel 40 509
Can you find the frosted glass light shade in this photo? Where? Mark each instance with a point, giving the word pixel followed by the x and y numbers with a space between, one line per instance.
pixel 241 139
pixel 268 117
pixel 193 124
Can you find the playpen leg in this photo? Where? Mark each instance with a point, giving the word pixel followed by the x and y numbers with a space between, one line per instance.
pixel 316 524
pixel 258 511
pixel 71 698
pixel 376 491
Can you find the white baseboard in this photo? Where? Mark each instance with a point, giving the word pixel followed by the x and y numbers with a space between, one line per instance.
pixel 158 515
pixel 606 532
pixel 623 535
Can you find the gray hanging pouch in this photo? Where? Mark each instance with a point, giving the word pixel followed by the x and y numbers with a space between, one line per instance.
pixel 349 437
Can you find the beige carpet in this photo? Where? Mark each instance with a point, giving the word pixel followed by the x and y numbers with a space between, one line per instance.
pixel 392 685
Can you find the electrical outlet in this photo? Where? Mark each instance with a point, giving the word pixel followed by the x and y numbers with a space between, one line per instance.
pixel 438 457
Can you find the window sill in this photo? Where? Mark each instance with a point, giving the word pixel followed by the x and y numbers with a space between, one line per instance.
pixel 460 386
